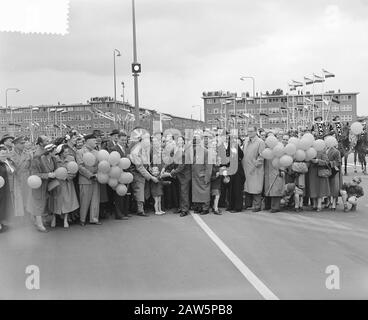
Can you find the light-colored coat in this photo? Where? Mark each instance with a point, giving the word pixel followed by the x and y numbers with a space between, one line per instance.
pixel 253 165
pixel 335 181
pixel 201 178
pixel 273 183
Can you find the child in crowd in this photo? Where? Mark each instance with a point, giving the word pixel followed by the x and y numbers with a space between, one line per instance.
pixel 350 193
pixel 217 173
pixel 299 169
pixel 157 189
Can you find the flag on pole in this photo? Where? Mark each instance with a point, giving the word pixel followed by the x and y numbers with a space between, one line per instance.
pixel 297 84
pixel 165 117
pixel 308 81
pixel 291 87
pixel 327 74
pixel 318 79
pixel 308 100
pixel 326 102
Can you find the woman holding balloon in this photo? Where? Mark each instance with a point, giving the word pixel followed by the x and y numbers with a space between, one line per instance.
pixel 318 175
pixel 63 199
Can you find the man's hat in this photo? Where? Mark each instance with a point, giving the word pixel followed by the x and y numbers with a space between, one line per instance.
pixel 19 140
pixel 318 117
pixel 5 137
pixel 90 136
pixel 335 118
pixel 113 132
pixel 50 147
pixel 97 133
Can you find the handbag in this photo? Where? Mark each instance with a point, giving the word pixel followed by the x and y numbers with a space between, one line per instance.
pixel 324 172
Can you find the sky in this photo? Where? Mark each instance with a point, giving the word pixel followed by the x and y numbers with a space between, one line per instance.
pixel 187 47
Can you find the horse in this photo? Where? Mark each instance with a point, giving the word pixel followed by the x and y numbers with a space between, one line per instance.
pixel 360 151
pixel 347 142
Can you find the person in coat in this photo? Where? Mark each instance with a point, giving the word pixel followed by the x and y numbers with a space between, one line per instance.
pixel 319 187
pixel 236 184
pixel 274 182
pixel 121 202
pixel 139 156
pixel 183 172
pixel 63 200
pixel 201 177
pixel 89 188
pixel 253 165
pixel 43 165
pixel 22 164
pixel 335 180
pixel 6 205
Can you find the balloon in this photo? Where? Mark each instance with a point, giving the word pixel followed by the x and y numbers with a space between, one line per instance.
pixel 267 154
pixel 104 166
pixel 276 163
pixel 305 144
pixel 271 141
pixel 311 153
pixel 278 150
pixel 113 183
pixel 294 140
pixel 319 145
pixel 114 158
pixel 290 149
pixel 34 182
pixel 286 160
pixel 356 128
pixel 300 155
pixel 115 172
pixel 121 190
pixel 72 167
pixel 331 142
pixel 308 137
pixel 61 173
pixel 353 200
pixel 102 155
pixel 124 163
pixel 89 159
pixel 102 178
pixel 226 179
pixel 126 178
pixel 2 182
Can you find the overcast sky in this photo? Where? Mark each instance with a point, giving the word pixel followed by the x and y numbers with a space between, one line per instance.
pixel 187 47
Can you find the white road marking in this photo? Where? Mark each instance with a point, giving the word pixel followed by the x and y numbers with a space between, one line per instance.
pixel 245 271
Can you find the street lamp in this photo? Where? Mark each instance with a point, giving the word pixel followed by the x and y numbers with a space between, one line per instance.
pixel 6 101
pixel 136 69
pixel 123 96
pixel 116 53
pixel 254 83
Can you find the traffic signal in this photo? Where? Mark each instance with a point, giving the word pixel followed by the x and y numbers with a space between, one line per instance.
pixel 136 67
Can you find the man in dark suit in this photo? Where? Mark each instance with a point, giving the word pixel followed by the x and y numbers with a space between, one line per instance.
pixel 121 202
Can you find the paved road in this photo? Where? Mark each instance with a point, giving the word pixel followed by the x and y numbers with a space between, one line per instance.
pixel 235 256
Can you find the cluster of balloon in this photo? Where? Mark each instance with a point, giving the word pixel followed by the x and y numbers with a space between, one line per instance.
pixel 2 182
pixel 356 128
pixel 111 171
pixel 303 149
pixel 61 173
pixel 72 167
pixel 34 182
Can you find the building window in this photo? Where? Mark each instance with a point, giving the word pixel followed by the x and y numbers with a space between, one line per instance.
pixel 215 111
pixel 335 109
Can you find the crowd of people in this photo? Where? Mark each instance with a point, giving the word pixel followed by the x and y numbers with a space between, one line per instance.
pixel 203 172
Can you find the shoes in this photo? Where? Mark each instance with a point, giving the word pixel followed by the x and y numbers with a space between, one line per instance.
pixel 159 213
pixel 3 228
pixel 297 210
pixel 217 212
pixel 346 209
pixel 256 210
pixel 275 210
pixel 42 229
pixel 178 211
pixel 98 223
pixel 142 214
pixel 319 209
pixel 183 213
pixel 129 215
pixel 353 208
pixel 81 223
pixel 125 218
pixel 235 211
pixel 205 212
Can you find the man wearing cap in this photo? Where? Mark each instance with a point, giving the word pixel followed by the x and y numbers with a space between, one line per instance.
pixel 43 165
pixel 113 141
pixel 89 188
pixel 7 141
pixel 22 164
pixel 318 128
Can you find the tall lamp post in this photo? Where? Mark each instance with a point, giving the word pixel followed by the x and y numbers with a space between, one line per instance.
pixel 136 69
pixel 254 93
pixel 123 96
pixel 116 53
